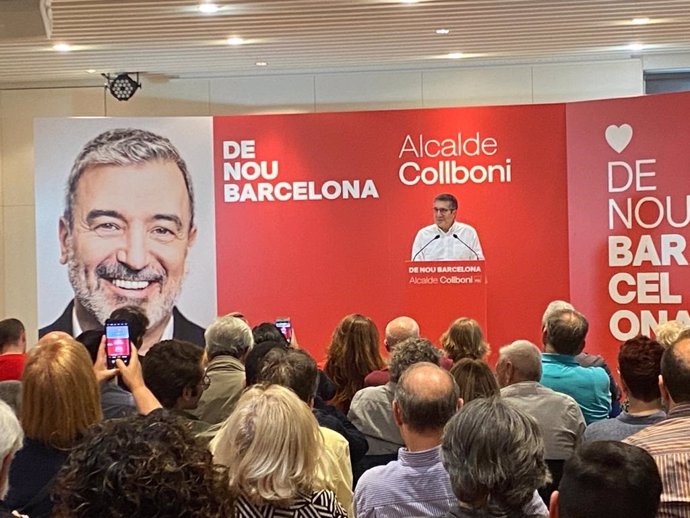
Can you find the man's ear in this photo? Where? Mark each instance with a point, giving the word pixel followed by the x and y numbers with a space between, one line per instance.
pixel 553 505
pixel 63 235
pixel 460 404
pixel 189 394
pixel 665 396
pixel 397 413
pixel 504 372
pixel 192 237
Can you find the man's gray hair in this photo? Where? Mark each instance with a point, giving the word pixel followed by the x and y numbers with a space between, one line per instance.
pixel 553 307
pixel 525 357
pixel 427 401
pixel 230 336
pixel 123 147
pixel 493 451
pixel 411 351
pixel 11 434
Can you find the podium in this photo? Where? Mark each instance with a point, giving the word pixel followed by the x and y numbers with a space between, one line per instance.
pixel 439 292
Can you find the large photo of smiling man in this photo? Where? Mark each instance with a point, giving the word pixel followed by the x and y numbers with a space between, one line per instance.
pixel 126 232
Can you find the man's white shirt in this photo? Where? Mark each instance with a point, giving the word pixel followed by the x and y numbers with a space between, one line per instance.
pixel 460 243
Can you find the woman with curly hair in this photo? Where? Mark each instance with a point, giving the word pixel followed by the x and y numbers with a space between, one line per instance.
pixel 141 467
pixel 274 451
pixel 353 353
pixel 464 339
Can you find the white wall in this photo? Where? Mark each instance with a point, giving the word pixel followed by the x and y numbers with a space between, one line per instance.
pixel 298 93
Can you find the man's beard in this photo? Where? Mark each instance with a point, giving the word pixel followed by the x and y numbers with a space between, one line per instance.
pixel 100 302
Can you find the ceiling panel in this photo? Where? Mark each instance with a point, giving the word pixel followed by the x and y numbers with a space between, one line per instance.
pixel 172 38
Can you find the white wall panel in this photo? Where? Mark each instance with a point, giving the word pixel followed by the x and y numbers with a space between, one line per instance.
pixel 368 91
pixel 587 81
pixel 477 86
pixel 262 94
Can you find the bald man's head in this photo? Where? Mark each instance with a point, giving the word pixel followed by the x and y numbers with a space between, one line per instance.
pixel 426 397
pixel 675 369
pixel 400 329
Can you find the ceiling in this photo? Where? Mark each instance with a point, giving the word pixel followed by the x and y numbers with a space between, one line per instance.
pixel 171 38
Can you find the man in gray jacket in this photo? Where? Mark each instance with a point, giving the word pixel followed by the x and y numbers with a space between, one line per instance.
pixel 228 340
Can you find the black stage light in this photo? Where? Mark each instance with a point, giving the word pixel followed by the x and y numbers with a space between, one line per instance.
pixel 122 86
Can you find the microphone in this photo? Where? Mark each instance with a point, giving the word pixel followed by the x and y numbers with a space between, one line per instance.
pixel 468 246
pixel 437 236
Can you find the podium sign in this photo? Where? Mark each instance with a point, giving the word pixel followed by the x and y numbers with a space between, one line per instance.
pixel 444 291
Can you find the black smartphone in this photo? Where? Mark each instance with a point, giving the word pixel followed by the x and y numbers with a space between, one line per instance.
pixel 117 344
pixel 285 326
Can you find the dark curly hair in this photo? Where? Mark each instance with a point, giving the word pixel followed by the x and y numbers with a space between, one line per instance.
pixel 141 467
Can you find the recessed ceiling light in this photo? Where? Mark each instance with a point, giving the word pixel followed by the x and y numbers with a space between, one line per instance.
pixel 261 64
pixel 442 31
pixel 636 47
pixel 455 55
pixel 91 71
pixel 409 1
pixel 234 41
pixel 209 8
pixel 62 47
pixel 640 21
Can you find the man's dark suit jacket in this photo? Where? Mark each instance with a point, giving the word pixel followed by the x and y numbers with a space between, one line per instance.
pixel 183 329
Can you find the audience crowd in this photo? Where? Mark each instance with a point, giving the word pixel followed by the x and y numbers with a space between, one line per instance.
pixel 246 424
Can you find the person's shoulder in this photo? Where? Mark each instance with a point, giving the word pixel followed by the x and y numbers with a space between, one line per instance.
pixel 332 439
pixel 326 504
pixel 377 378
pixel 428 229
pixel 63 322
pixel 598 430
pixel 646 437
pixel 565 399
pixel 368 394
pixel 185 329
pixel 459 225
pixel 595 373
pixel 378 476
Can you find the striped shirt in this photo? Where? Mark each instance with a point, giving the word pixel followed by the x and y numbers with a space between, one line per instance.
pixel 320 504
pixel 669 443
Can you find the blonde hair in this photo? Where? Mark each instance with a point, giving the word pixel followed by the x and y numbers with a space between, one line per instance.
pixel 60 395
pixel 464 339
pixel 354 352
pixel 272 445
pixel 667 332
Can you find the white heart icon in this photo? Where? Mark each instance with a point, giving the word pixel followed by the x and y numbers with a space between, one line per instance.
pixel 619 137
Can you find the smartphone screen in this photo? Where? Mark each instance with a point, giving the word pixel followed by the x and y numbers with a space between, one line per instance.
pixel 117 342
pixel 285 327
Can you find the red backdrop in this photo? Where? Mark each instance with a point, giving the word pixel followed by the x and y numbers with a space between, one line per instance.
pixel 628 177
pixel 318 260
